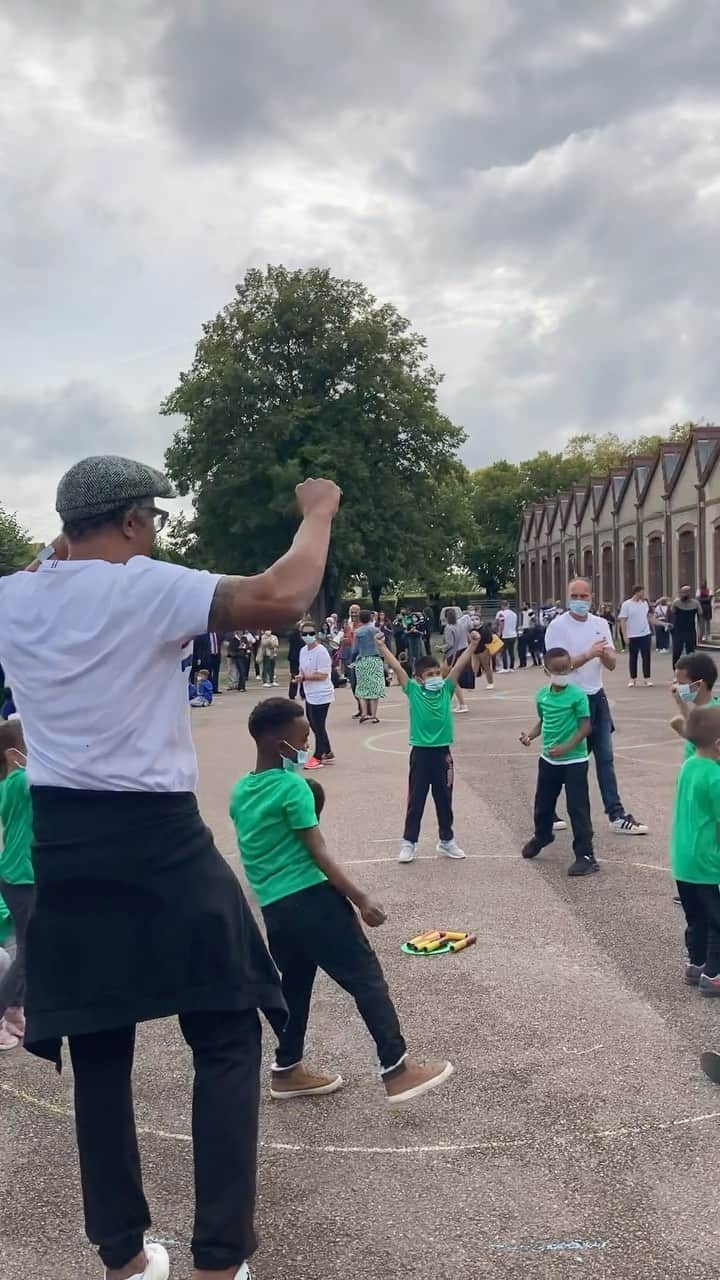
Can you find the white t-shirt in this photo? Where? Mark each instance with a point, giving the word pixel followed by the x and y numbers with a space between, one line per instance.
pixel 635 613
pixel 317 692
pixel 509 623
pixel 97 656
pixel 565 632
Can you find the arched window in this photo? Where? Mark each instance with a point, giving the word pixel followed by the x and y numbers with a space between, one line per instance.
pixel 557 579
pixel 607 585
pixel 655 566
pixel 628 568
pixel 686 558
pixel 533 582
pixel 523 582
pixel 545 579
pixel 588 565
pixel 571 567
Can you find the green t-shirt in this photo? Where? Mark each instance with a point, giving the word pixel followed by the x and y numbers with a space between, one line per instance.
pixel 695 846
pixel 17 831
pixel 690 747
pixel 431 722
pixel 561 711
pixel 6 925
pixel 268 810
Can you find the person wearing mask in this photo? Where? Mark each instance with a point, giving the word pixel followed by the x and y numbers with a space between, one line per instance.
pixel 634 619
pixel 660 619
pixel 507 620
pixel 316 676
pixel 295 645
pixel 455 642
pixel 685 614
pixel 269 648
pixel 586 636
pixel 127 873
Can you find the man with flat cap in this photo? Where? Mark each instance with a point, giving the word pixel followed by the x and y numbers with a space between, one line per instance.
pixel 138 916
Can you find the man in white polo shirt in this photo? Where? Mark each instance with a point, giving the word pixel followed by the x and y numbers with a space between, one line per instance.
pixel 138 915
pixel 588 640
pixel 634 620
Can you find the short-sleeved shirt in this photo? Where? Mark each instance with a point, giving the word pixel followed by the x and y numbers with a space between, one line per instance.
pixel 695 847
pixel 690 747
pixel 311 661
pixel 97 656
pixel 269 809
pixel 561 711
pixel 636 613
pixel 566 632
pixel 365 641
pixel 431 721
pixel 16 830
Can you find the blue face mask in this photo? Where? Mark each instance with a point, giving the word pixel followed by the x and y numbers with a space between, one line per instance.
pixel 301 759
pixel 580 607
pixel 308 637
pixel 434 684
pixel 686 693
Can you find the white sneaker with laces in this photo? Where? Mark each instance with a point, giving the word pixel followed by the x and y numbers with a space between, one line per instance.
pixel 450 849
pixel 158 1264
pixel 407 851
pixel 632 684
pixel 627 826
pixel 559 825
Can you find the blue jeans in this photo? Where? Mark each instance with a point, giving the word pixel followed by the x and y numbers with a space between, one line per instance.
pixel 600 743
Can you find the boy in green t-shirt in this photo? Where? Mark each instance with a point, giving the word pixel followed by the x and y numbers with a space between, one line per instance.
pixel 17 879
pixel 430 696
pixel 695 849
pixel 564 722
pixel 307 903
pixel 695 677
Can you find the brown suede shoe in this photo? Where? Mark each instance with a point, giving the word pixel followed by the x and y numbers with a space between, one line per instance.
pixel 412 1080
pixel 299 1083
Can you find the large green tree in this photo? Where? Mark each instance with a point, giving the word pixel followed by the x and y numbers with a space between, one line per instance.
pixel 15 544
pixel 307 374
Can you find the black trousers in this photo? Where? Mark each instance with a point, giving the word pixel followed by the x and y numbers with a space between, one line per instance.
pixel 20 899
pixel 508 653
pixel 318 929
pixel 662 639
pixel 640 647
pixel 317 718
pixel 523 646
pixel 242 666
pixel 682 642
pixel 701 904
pixel 226 1097
pixel 431 769
pixel 550 782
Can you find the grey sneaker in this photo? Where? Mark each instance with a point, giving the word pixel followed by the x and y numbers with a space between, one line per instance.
pixel 693 974
pixel 450 849
pixel 407 851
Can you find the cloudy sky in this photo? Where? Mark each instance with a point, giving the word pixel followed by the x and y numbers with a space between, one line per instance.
pixel 536 183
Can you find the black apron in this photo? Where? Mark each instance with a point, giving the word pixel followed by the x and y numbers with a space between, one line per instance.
pixel 138 916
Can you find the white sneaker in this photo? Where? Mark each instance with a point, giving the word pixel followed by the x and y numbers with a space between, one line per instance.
pixel 266 684
pixel 244 1273
pixel 158 1264
pixel 648 684
pixel 407 851
pixel 632 684
pixel 258 677
pixel 559 825
pixel 450 848
pixel 460 711
pixel 627 826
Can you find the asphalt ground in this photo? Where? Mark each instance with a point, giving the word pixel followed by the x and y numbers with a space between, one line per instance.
pixel 578 1135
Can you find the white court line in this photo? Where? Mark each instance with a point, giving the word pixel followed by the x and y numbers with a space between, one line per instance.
pixel 559 1139
pixel 492 857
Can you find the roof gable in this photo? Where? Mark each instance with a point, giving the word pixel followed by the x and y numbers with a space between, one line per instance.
pixel 619 478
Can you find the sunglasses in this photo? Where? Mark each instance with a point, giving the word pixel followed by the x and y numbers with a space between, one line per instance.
pixel 159 517
pixel 309 633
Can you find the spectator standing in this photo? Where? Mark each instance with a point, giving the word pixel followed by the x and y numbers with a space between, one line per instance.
pixel 269 647
pixel 685 613
pixel 369 668
pixel 660 619
pixel 634 619
pixel 455 642
pixel 295 645
pixel 206 654
pixel 704 596
pixel 315 673
pixel 507 620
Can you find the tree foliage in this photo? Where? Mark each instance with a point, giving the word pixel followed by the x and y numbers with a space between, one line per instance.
pixel 307 374
pixel 15 544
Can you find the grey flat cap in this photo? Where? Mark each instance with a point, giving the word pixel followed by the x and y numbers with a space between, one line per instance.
pixel 106 482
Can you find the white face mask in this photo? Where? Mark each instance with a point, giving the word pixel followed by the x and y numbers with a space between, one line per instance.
pixel 434 684
pixel 301 759
pixel 560 682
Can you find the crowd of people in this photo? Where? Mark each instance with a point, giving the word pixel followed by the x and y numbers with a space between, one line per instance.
pixel 105 855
